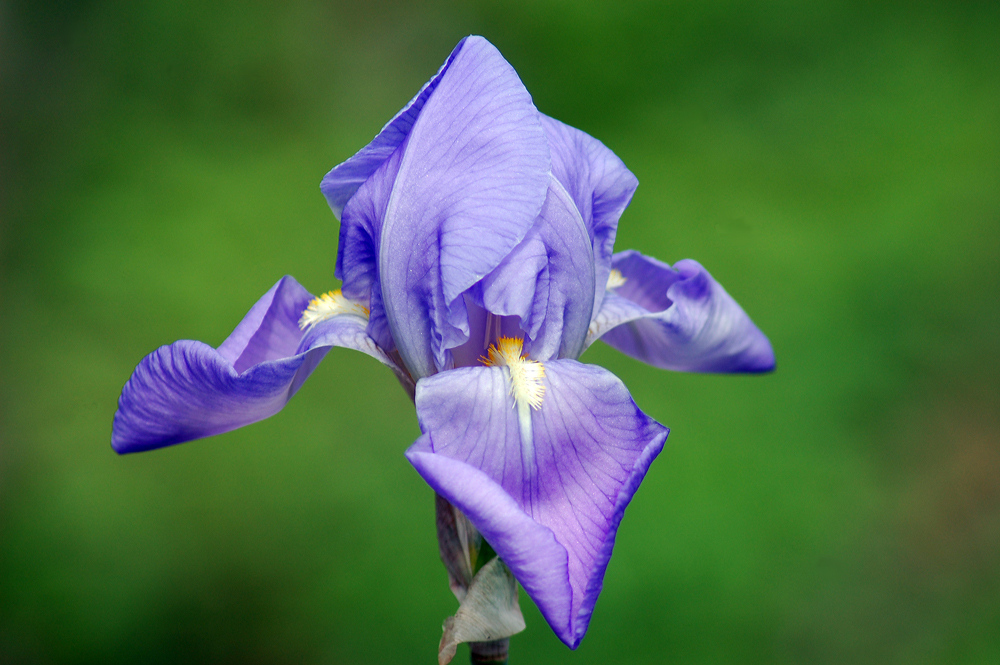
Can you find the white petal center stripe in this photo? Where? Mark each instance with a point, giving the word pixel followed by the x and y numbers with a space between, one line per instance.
pixel 526 376
pixel 331 303
pixel 615 279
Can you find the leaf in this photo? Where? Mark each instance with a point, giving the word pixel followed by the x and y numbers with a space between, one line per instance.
pixel 489 611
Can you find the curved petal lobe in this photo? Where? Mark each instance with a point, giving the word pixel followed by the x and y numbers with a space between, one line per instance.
pixel 472 180
pixel 188 390
pixel 678 318
pixel 600 184
pixel 546 280
pixel 357 253
pixel 343 180
pixel 548 497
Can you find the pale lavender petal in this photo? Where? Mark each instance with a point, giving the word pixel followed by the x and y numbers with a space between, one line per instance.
pixel 357 254
pixel 341 183
pixel 615 311
pixel 679 318
pixel 570 480
pixel 530 550
pixel 270 329
pixel 546 280
pixel 188 390
pixel 599 183
pixel 472 180
pixel 349 331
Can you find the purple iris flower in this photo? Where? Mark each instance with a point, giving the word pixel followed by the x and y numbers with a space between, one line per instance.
pixel 476 255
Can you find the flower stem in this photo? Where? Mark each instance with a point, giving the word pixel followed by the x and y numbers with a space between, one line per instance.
pixel 489 653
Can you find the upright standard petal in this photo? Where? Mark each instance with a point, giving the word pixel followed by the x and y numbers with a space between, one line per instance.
pixel 600 184
pixel 341 183
pixel 188 390
pixel 546 280
pixel 357 254
pixel 471 181
pixel 678 318
pixel 546 487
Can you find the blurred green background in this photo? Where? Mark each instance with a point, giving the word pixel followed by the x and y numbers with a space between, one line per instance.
pixel 836 165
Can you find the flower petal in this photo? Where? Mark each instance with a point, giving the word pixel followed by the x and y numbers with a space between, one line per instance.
pixel 548 499
pixel 472 180
pixel 270 330
pixel 341 183
pixel 188 390
pixel 600 184
pixel 357 254
pixel 679 318
pixel 546 280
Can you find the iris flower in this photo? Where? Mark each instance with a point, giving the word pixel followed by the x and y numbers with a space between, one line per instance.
pixel 476 255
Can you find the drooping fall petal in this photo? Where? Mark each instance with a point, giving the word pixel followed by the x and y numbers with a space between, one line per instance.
pixel 188 390
pixel 678 318
pixel 547 495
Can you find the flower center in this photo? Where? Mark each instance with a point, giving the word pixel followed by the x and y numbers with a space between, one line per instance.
pixel 331 303
pixel 526 375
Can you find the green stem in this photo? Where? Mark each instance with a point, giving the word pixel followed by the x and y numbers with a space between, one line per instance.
pixel 489 653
